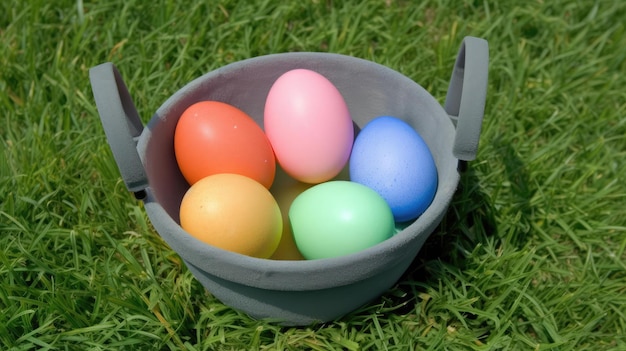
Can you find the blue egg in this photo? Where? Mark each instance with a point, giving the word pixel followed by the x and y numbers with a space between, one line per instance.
pixel 390 157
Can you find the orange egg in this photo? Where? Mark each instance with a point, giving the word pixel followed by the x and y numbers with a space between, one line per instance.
pixel 213 137
pixel 232 212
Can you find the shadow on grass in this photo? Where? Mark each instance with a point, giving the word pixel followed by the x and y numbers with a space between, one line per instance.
pixel 470 221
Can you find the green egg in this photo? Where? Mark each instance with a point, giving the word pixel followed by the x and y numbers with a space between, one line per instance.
pixel 337 218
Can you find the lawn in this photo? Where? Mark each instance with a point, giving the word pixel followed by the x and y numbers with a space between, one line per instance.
pixel 530 256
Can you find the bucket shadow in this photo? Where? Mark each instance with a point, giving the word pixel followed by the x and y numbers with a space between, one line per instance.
pixel 470 221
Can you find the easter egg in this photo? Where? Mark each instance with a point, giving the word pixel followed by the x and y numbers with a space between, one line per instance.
pixel 339 217
pixel 390 157
pixel 213 137
pixel 234 213
pixel 285 190
pixel 309 126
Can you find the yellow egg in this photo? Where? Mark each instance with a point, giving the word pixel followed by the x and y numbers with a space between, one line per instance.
pixel 232 212
pixel 285 189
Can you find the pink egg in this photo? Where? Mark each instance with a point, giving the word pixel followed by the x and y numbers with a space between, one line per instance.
pixel 309 126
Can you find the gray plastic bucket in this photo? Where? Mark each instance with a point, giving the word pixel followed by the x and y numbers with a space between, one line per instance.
pixel 296 292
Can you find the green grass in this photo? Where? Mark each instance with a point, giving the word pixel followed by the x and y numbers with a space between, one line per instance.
pixel 531 255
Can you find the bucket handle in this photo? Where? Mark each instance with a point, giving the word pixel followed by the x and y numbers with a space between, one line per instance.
pixel 466 97
pixel 121 123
